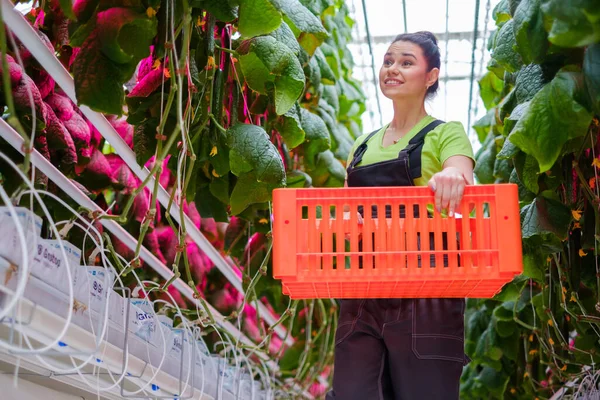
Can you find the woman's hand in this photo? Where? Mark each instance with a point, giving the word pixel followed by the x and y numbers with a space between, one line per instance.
pixel 449 184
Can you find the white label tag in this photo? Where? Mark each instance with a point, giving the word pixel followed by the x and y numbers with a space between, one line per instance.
pixel 10 245
pixel 50 266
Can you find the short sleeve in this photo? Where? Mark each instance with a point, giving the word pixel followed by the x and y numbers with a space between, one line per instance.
pixel 453 141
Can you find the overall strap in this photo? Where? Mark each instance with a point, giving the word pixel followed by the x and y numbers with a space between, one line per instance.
pixel 360 151
pixel 414 147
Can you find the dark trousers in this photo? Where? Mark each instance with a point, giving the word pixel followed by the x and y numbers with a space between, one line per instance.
pixel 399 349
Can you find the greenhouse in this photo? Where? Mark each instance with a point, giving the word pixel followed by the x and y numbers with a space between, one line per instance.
pixel 300 199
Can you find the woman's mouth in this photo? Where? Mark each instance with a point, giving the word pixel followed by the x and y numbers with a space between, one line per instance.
pixel 393 82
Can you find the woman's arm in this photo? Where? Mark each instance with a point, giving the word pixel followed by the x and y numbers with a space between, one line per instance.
pixel 449 184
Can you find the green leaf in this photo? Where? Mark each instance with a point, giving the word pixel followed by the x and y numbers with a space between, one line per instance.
pixel 66 6
pixel 238 164
pixel 484 170
pixel 252 144
pixel 509 150
pixel 530 80
pixel 525 195
pixel 574 23
pixel 124 35
pixel 248 190
pixel 591 71
pixel 533 266
pixel 290 128
pixel 284 35
pixel 487 346
pixel 502 169
pixel 298 179
pixel 504 51
pixel 508 104
pixel 490 88
pixel 219 188
pixel 264 60
pixel 221 9
pixel 483 125
pixel 532 39
pixel 334 166
pixel 109 56
pixel 99 81
pixel 327 75
pixel 512 290
pixel 494 381
pixel 257 17
pixel 81 34
pixel 331 96
pixel 312 31
pixel 209 206
pixel 545 217
pixel 501 12
pixel 317 137
pixel 511 121
pixel 505 311
pixel 553 118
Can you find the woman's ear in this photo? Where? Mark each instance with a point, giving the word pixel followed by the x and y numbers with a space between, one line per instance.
pixel 432 77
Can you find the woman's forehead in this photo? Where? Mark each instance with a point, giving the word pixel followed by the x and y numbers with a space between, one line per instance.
pixel 401 47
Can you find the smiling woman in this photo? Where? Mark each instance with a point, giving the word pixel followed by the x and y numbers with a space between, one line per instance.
pixel 406 348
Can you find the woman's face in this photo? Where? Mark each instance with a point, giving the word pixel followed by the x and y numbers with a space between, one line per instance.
pixel 404 73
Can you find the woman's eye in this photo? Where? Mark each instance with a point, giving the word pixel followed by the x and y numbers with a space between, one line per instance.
pixel 387 62
pixel 406 63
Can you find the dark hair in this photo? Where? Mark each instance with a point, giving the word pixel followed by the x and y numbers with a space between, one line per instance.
pixel 428 43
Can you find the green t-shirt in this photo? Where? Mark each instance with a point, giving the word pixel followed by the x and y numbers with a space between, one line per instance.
pixel 446 140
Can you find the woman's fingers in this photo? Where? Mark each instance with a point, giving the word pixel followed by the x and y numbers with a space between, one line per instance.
pixel 449 188
pixel 458 189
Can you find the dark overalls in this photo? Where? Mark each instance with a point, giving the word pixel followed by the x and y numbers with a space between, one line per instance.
pixel 397 349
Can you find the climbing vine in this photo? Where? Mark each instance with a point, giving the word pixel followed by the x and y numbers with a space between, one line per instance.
pixel 541 132
pixel 223 101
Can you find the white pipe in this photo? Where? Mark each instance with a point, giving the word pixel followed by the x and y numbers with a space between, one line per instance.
pixel 23 30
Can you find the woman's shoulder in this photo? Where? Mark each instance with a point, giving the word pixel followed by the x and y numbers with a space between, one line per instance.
pixel 449 130
pixel 451 126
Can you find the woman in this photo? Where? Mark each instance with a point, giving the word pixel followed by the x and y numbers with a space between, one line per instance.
pixel 406 349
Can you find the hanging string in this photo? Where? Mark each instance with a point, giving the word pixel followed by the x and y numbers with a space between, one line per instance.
pixel 405 18
pixel 483 47
pixel 446 75
pixel 364 7
pixel 475 29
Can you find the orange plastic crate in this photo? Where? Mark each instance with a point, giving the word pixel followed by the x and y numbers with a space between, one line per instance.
pixel 321 252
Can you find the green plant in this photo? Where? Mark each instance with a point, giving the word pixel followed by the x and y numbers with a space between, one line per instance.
pixel 541 132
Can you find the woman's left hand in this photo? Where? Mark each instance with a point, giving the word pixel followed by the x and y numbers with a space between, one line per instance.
pixel 449 186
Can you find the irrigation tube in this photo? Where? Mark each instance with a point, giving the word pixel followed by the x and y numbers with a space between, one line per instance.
pixel 21 28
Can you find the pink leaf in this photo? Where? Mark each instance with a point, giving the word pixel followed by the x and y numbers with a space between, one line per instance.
pixel 123 128
pixel 146 65
pixel 61 146
pixel 121 173
pixel 97 174
pixel 21 94
pixel 192 212
pixel 168 242
pixel 151 243
pixel 66 111
pixel 61 105
pixel 152 81
pixel 14 69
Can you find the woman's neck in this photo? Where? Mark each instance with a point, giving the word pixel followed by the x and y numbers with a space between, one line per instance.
pixel 407 114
